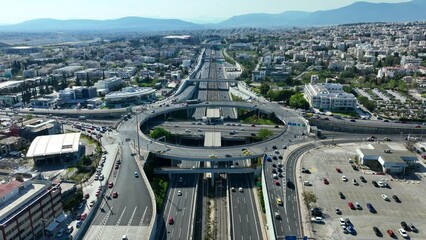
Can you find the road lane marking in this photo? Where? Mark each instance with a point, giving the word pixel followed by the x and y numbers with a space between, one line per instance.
pixel 121 216
pixel 239 216
pixel 132 216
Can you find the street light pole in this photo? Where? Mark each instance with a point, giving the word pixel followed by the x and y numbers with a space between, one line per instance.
pixel 137 133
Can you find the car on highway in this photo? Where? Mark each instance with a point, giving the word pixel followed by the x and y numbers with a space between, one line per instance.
pixel 274 147
pixel 124 237
pixel 354 182
pixel 284 147
pixel 78 224
pixel 381 184
pixel 110 184
pixel 171 220
pixel 363 179
pixel 307 183
pixel 290 184
pixel 375 183
pixel 403 233
pixel 98 192
pixel 304 170
pixel 180 179
pixel 338 212
pixel 342 222
pixel 396 198
pixel 279 201
pixel 92 203
pixel 345 229
pixel 136 174
pixel 386 198
pixel 86 196
pixel 344 179
pixel 276 182
pixel 83 216
pixel 277 152
pixel 390 233
pixel 179 193
pixel 377 232
pixel 277 215
pixel 338 170
pixel 114 194
pixel 351 206
pixel 240 189
pixel 116 166
pixel 274 165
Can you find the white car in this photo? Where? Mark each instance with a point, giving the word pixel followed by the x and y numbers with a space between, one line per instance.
pixel 403 233
pixel 179 193
pixel 342 222
pixel 381 184
pixel 386 198
pixel 240 189
pixel 344 179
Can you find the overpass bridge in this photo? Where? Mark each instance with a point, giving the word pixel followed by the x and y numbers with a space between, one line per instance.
pixel 203 170
pixel 213 80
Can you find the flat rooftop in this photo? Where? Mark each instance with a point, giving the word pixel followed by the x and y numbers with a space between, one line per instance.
pixel 10 208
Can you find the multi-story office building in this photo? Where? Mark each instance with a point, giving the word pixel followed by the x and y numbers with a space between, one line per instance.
pixel 28 207
pixel 329 96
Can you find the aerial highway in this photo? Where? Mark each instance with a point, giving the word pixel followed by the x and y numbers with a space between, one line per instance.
pixel 131 212
pixel 177 222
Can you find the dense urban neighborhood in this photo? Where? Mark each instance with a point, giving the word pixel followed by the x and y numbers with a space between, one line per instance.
pixel 307 132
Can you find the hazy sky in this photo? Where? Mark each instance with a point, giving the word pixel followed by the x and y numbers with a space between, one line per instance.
pixel 14 11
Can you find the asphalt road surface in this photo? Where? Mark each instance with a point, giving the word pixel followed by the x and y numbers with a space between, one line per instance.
pixel 244 215
pixel 179 206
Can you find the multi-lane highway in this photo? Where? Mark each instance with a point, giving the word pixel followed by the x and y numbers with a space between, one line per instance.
pixel 177 217
pixel 244 215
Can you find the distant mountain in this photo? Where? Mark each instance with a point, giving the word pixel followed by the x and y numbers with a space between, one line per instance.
pixel 127 24
pixel 414 10
pixel 358 12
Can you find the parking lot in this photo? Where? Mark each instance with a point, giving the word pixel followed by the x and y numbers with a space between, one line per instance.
pixel 323 162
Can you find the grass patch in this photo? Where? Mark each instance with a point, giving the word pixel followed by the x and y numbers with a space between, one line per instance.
pixel 80 176
pixel 258 121
pixel 159 186
pixel 309 197
pixel 260 194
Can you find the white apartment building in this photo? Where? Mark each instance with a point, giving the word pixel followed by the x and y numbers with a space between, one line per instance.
pixel 329 96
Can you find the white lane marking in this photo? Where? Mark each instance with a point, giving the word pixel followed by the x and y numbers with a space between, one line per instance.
pixel 132 216
pixel 121 216
pixel 254 213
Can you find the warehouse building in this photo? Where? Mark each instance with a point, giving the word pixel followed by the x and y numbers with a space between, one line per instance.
pixel 55 149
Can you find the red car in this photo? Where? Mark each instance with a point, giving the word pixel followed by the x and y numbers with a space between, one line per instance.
pixel 83 216
pixel 276 182
pixel 171 220
pixel 390 233
pixel 115 194
pixel 338 170
pixel 326 181
pixel 110 184
pixel 98 193
pixel 351 205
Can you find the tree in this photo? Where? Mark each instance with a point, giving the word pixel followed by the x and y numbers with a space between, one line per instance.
pixel 298 101
pixel 160 132
pixel 370 105
pixel 264 88
pixel 264 134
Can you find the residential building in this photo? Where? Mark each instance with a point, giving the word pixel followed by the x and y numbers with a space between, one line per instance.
pixel 67 71
pixel 28 207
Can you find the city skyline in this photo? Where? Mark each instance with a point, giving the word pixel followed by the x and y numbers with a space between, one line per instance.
pixel 190 10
